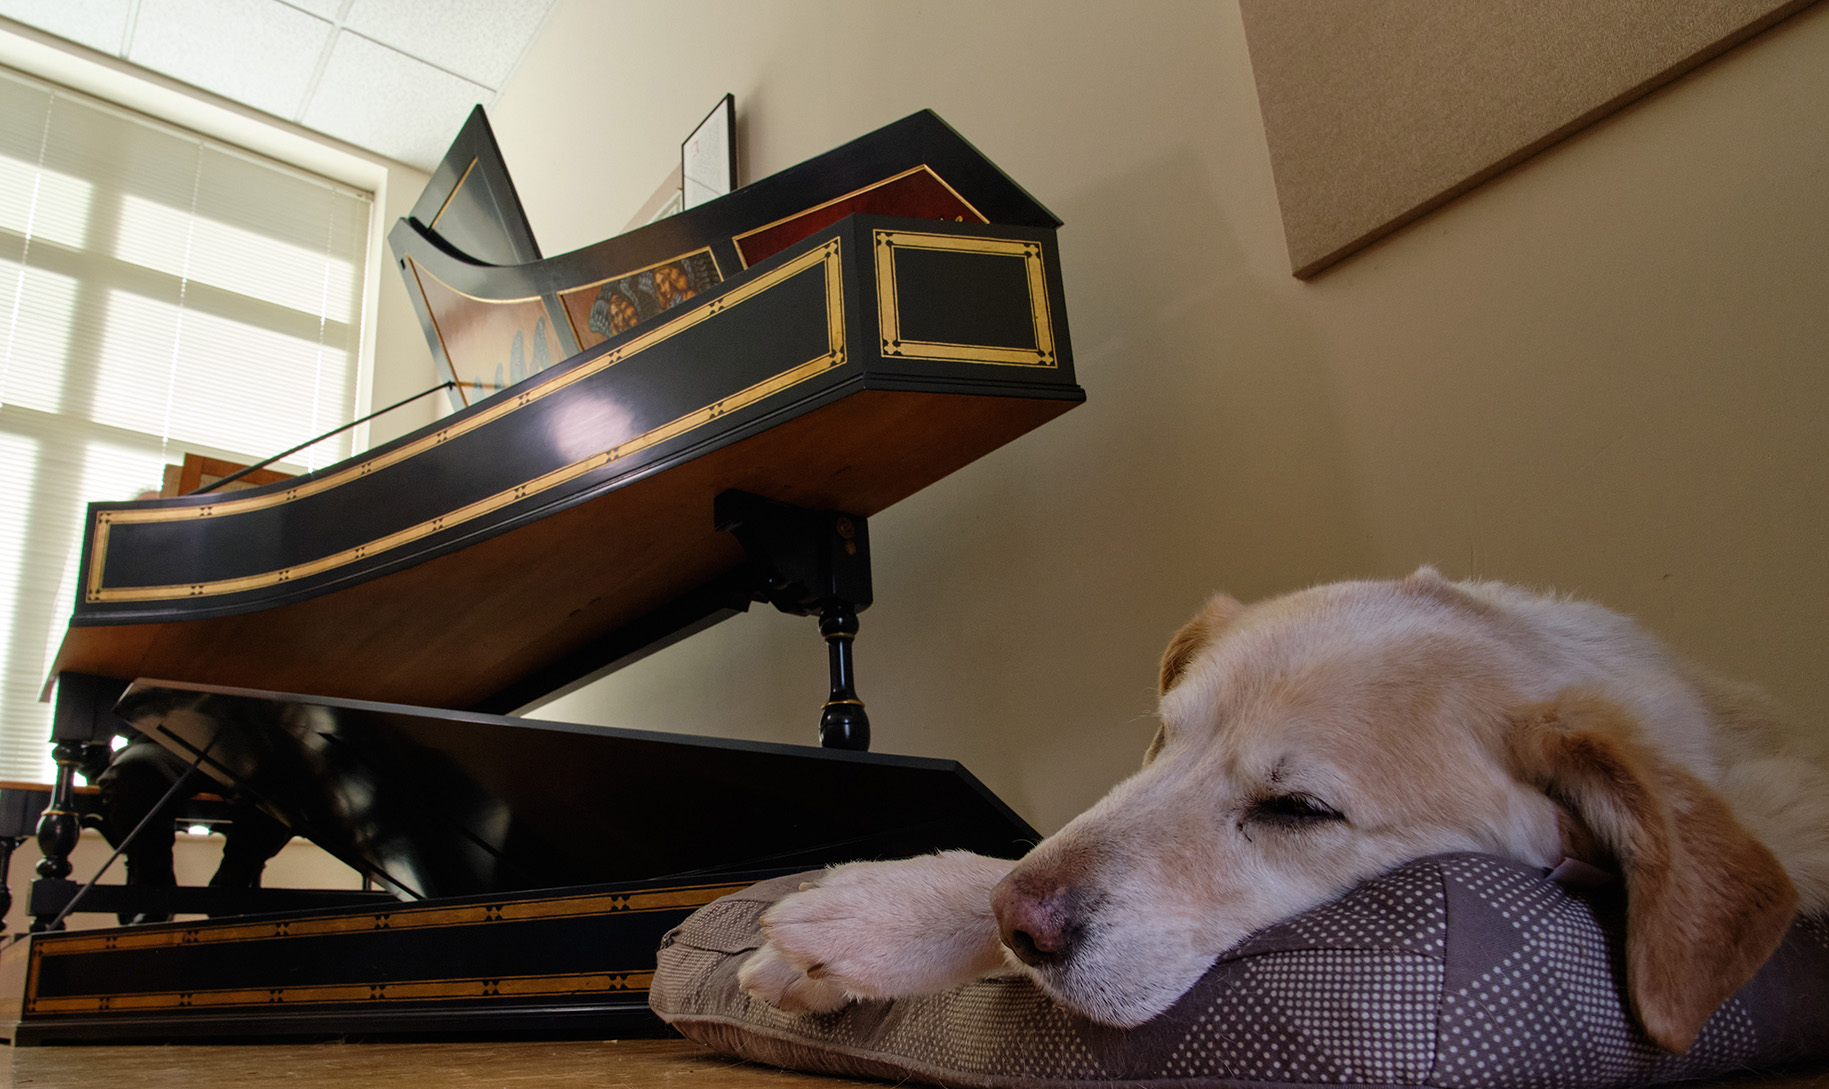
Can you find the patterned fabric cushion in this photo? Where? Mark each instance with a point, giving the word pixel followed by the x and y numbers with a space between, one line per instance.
pixel 1457 971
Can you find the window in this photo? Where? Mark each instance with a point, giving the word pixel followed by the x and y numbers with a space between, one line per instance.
pixel 161 293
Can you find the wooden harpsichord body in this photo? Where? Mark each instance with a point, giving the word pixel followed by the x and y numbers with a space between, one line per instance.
pixel 494 556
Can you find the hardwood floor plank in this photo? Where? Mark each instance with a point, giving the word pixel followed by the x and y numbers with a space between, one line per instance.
pixel 616 1064
pixel 613 1064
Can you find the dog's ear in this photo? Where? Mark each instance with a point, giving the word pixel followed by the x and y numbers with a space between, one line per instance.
pixel 1426 575
pixel 1706 903
pixel 1218 613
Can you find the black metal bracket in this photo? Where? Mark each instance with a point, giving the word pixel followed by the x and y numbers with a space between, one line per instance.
pixel 811 563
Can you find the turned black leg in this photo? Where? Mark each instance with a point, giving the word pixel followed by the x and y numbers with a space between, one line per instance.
pixel 8 844
pixel 843 723
pixel 58 826
pixel 811 563
pixel 81 719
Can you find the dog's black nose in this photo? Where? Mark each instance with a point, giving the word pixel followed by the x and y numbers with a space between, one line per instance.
pixel 1036 919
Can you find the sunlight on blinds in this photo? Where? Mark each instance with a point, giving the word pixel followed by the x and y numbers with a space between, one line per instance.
pixel 275 365
pixel 130 365
pixel 20 750
pixel 39 330
pixel 253 265
pixel 48 206
pixel 59 210
pixel 160 294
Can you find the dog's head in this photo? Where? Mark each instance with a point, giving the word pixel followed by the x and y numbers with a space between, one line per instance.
pixel 1313 741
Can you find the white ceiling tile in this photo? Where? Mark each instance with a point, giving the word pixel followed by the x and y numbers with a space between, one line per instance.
pixel 400 85
pixel 478 39
pixel 98 24
pixel 383 100
pixel 259 52
pixel 323 9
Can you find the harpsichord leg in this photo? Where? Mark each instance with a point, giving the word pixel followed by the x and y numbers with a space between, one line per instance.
pixel 843 723
pixel 83 717
pixel 8 844
pixel 59 826
pixel 811 563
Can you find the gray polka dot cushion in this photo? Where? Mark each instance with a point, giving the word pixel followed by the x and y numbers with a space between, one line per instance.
pixel 1453 971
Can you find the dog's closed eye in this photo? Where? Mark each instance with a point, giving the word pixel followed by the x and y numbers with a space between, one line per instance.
pixel 1292 811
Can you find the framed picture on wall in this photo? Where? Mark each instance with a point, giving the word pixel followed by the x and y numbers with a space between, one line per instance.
pixel 708 158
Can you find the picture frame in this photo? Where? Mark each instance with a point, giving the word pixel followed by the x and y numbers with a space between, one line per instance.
pixel 708 157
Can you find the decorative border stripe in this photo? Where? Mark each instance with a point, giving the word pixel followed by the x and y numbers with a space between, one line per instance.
pixel 318 994
pixel 404 918
pixel 890 317
pixel 827 255
pixel 686 897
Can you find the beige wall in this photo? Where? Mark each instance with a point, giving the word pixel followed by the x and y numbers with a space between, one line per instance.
pixel 1606 372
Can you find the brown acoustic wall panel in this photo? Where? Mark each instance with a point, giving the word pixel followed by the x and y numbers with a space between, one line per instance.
pixel 1379 111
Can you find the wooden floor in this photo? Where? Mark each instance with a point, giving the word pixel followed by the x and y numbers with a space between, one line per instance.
pixel 625 1064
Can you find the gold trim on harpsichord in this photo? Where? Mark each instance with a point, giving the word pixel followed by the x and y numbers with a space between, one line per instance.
pixel 401 918
pixel 826 255
pixel 406 917
pixel 890 316
pixel 736 240
pixel 413 990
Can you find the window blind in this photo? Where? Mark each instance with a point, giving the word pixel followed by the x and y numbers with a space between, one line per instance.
pixel 160 294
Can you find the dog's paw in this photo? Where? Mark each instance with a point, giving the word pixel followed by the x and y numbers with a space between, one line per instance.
pixel 881 930
pixel 769 976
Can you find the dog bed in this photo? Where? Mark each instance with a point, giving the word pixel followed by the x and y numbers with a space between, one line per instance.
pixel 1459 970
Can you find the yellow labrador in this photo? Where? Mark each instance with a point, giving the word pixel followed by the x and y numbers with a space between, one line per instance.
pixel 1312 741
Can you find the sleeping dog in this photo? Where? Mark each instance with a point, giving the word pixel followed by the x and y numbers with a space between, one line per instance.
pixel 1315 740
